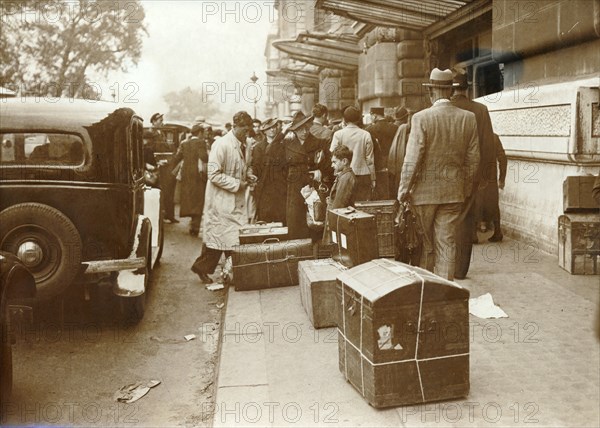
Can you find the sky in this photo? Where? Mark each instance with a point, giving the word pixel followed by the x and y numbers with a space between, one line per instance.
pixel 211 45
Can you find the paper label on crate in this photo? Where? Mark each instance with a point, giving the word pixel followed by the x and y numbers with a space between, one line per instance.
pixel 334 237
pixel 343 242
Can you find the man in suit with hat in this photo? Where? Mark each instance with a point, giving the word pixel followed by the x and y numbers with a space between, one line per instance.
pixel 382 133
pixel 269 167
pixel 484 177
pixel 437 175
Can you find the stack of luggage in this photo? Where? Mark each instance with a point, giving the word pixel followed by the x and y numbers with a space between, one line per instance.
pixel 403 334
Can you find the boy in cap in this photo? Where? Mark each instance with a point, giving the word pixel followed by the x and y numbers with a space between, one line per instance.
pixel 360 143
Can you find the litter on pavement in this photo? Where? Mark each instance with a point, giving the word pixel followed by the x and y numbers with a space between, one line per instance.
pixel 484 307
pixel 189 337
pixel 133 392
pixel 214 287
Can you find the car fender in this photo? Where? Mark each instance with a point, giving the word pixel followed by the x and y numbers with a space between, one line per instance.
pixel 131 283
pixel 16 282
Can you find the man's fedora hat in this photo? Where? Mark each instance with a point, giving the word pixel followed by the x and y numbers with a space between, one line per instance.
pixel 197 127
pixel 461 79
pixel 269 123
pixel 299 120
pixel 155 117
pixel 440 79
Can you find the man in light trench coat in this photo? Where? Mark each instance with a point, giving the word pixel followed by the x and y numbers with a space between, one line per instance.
pixel 225 208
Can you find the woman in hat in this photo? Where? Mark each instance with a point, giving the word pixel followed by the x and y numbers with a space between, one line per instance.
pixel 308 161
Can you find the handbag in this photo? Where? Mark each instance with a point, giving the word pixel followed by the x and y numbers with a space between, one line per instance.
pixel 177 171
pixel 409 236
pixel 320 205
pixel 151 178
pixel 315 215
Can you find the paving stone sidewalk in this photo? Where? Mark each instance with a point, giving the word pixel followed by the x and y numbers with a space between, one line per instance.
pixel 538 367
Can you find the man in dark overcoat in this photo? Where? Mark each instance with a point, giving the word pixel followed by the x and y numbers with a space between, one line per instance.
pixel 382 132
pixel 269 166
pixel 488 197
pixel 193 152
pixel 483 176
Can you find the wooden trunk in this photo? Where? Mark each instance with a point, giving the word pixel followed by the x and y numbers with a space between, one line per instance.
pixel 403 334
pixel 269 265
pixel 384 218
pixel 579 243
pixel 577 194
pixel 258 233
pixel 317 290
pixel 354 233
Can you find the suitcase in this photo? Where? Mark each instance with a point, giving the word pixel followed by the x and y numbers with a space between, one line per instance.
pixel 577 194
pixel 317 290
pixel 384 218
pixel 270 264
pixel 579 243
pixel 403 334
pixel 257 233
pixel 354 234
pixel 324 250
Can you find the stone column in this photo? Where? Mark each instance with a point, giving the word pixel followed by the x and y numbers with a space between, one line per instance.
pixel 391 69
pixel 337 88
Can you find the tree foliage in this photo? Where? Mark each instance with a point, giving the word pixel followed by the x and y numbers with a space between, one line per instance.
pixel 187 103
pixel 51 47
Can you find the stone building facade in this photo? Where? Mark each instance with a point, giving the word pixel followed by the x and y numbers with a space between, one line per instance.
pixel 535 64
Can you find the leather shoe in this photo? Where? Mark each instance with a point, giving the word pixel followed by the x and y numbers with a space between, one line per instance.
pixel 496 238
pixel 204 278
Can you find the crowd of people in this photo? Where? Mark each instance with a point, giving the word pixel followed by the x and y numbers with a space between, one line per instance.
pixel 443 160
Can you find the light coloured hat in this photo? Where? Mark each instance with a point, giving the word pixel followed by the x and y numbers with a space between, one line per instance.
pixel 440 79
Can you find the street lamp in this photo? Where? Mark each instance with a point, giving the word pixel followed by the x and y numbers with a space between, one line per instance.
pixel 254 79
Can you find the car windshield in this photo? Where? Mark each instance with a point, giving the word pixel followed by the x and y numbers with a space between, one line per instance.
pixel 41 149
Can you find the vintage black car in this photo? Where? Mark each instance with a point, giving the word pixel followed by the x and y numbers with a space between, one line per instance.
pixel 73 204
pixel 16 286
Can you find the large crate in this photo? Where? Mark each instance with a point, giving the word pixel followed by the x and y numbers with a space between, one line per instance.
pixel 577 194
pixel 579 243
pixel 269 265
pixel 403 334
pixel 354 234
pixel 384 217
pixel 317 290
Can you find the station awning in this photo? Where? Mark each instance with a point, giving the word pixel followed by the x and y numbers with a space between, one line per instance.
pixel 305 76
pixel 415 15
pixel 323 50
